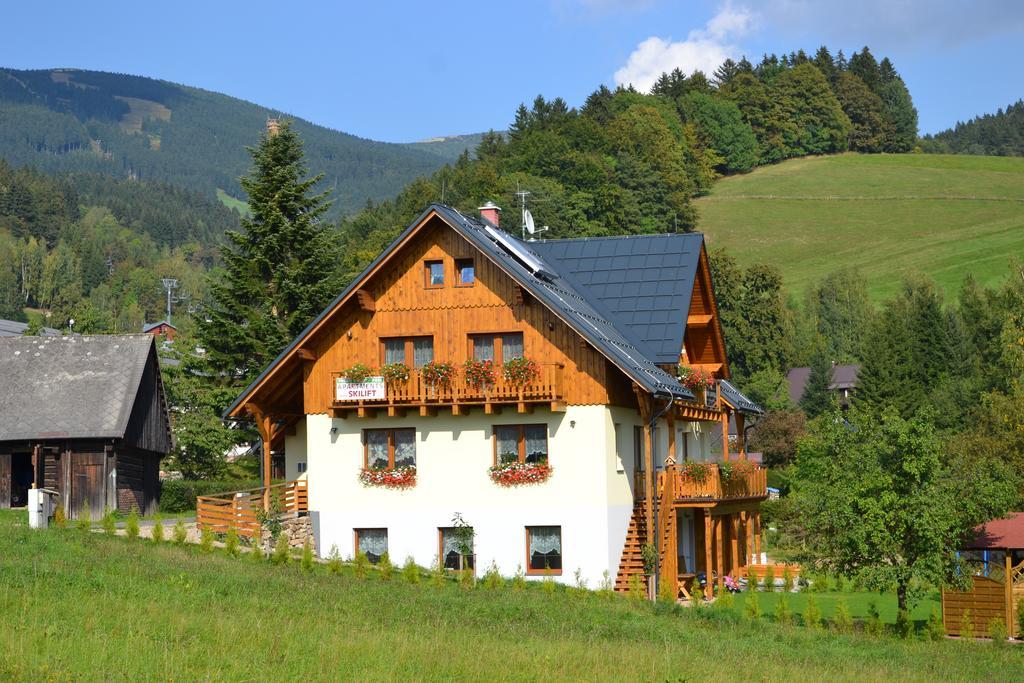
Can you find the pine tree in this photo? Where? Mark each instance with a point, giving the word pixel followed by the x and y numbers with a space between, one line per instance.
pixel 864 65
pixel 280 270
pixel 817 397
pixel 902 115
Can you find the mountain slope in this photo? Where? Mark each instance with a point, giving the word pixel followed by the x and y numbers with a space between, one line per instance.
pixel 889 216
pixel 130 126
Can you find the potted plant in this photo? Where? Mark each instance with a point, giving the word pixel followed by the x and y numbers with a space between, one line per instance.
pixel 510 473
pixel 696 380
pixel 390 478
pixel 649 553
pixel 395 373
pixel 437 374
pixel 698 472
pixel 480 374
pixel 357 373
pixel 520 371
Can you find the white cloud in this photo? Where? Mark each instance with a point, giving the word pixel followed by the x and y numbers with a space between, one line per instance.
pixel 704 49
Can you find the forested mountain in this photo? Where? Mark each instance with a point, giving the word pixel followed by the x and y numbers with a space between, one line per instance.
pixel 134 127
pixel 1000 134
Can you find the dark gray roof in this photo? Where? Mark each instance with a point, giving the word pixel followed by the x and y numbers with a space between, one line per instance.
pixel 12 328
pixel 737 400
pixel 843 377
pixel 152 326
pixel 644 282
pixel 70 387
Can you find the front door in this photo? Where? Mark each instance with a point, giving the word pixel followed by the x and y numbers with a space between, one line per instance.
pixel 87 484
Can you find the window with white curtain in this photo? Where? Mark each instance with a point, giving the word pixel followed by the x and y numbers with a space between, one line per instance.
pixel 394 351
pixel 544 549
pixel 372 542
pixel 389 448
pixel 511 346
pixel 498 346
pixel 520 443
pixel 413 351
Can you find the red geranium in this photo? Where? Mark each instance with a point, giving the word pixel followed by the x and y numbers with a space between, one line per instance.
pixel 396 478
pixel 520 473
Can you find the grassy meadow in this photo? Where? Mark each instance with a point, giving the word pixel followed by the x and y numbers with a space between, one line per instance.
pixel 888 215
pixel 76 605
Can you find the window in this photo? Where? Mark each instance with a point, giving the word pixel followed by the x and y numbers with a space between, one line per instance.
pixel 434 273
pixel 494 346
pixel 544 549
pixel 520 443
pixel 413 351
pixel 465 272
pixel 372 542
pixel 300 466
pixel 389 448
pixel 452 548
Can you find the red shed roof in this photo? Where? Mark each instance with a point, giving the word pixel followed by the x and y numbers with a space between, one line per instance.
pixel 1000 533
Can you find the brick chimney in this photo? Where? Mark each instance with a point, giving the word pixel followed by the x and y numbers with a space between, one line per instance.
pixel 490 212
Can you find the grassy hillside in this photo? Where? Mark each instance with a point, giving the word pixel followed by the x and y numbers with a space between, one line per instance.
pixel 129 126
pixel 79 606
pixel 888 215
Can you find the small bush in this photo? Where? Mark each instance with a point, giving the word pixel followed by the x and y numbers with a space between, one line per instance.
pixel 904 627
pixel 109 527
pixel 307 556
pixel 361 564
pixel 873 625
pixel 549 586
pixel 667 591
pixel 84 521
pixel 842 621
pixel 492 578
pixel 997 632
pixel 280 554
pixel 934 629
pixel 812 615
pixel 387 570
pixel 467 578
pixel 519 579
pixel 132 525
pixel 410 571
pixel 437 574
pixel 839 585
pixel 179 495
pixel 966 625
pixel 231 542
pixel 823 583
pixel 158 530
pixel 636 588
pixel 769 578
pixel 725 601
pixel 787 579
pixel 783 614
pixel 206 541
pixel 180 533
pixel 59 519
pixel 334 561
pixel 752 606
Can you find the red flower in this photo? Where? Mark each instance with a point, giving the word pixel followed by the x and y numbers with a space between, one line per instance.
pixel 520 473
pixel 397 478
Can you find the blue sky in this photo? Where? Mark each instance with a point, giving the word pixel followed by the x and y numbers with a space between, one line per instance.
pixel 408 71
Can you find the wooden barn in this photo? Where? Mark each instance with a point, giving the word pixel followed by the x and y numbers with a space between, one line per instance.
pixel 995 558
pixel 85 416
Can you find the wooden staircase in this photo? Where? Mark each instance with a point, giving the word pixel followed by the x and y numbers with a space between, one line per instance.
pixel 632 561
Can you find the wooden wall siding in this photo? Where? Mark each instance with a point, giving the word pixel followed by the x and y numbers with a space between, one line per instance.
pixel 5 480
pixel 137 481
pixel 88 484
pixel 986 601
pixel 703 343
pixel 405 307
pixel 147 426
pixel 52 470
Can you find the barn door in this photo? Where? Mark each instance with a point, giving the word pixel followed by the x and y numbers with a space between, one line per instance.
pixel 87 484
pixel 5 480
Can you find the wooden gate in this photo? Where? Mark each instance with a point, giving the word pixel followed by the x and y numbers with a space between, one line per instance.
pixel 88 484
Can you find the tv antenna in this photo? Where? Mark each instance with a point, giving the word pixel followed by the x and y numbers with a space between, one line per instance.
pixel 170 284
pixel 528 226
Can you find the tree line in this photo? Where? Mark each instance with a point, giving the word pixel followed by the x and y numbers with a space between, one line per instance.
pixel 1000 134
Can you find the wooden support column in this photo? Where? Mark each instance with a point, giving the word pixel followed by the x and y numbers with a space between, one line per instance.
pixel 734 548
pixel 264 427
pixel 35 466
pixel 719 559
pixel 757 537
pixel 725 436
pixel 708 588
pixel 1011 607
pixel 745 526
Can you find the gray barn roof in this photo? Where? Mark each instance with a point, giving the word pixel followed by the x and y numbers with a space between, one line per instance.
pixel 12 328
pixel 70 387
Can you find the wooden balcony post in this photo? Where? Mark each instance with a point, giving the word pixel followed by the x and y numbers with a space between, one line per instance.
pixel 725 436
pixel 719 559
pixel 757 537
pixel 708 587
pixel 734 538
pixel 1008 585
pixel 745 526
pixel 741 440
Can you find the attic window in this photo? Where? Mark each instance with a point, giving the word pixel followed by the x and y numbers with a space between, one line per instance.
pixel 434 273
pixel 465 272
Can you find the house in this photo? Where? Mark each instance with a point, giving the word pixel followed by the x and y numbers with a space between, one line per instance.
pixel 163 328
pixel 994 556
pixel 844 382
pixel 567 441
pixel 13 328
pixel 84 416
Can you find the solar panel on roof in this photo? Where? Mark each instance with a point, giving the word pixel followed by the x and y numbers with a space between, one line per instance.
pixel 518 252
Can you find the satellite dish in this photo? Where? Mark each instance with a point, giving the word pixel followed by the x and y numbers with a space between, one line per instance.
pixel 528 219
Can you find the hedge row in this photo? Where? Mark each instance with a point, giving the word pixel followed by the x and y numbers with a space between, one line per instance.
pixel 179 495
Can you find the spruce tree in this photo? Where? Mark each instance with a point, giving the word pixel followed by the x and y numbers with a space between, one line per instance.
pixel 817 397
pixel 280 270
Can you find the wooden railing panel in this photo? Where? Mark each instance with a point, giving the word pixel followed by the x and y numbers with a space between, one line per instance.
pixel 751 485
pixel 239 509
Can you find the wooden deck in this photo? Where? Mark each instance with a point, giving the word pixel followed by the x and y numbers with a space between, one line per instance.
pixel 714 488
pixel 238 509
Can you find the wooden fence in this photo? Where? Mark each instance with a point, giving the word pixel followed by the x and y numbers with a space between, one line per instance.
pixel 239 509
pixel 997 589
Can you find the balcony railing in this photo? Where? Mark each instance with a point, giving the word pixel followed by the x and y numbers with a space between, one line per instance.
pixel 415 391
pixel 713 487
pixel 239 510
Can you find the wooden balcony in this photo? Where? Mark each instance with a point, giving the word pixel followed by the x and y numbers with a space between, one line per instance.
pixel 416 393
pixel 713 489
pixel 238 509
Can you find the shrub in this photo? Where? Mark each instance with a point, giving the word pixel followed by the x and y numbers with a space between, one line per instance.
pixel 607 585
pixel 934 629
pixel 725 601
pixel 823 584
pixel 107 522
pixel 179 495
pixel 387 570
pixel 636 588
pixel 519 579
pixel 307 556
pixel 752 606
pixel 812 615
pixel 231 542
pixel 158 530
pixel 769 578
pixel 59 520
pixel 361 564
pixel 667 591
pixel 548 584
pixel 467 578
pixel 839 585
pixel 132 525
pixel 84 521
pixel 649 553
pixel 180 533
pixel 410 571
pixel 783 615
pixel 966 625
pixel 492 578
pixel 437 573
pixel 842 621
pixel 873 625
pixel 787 579
pixel 904 627
pixel 334 561
pixel 997 632
pixel 206 541
pixel 280 554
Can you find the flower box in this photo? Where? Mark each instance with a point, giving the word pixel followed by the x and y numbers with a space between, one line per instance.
pixel 391 478
pixel 521 371
pixel 480 374
pixel 520 473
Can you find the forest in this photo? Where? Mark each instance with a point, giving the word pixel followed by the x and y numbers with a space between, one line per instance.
pixel 1000 134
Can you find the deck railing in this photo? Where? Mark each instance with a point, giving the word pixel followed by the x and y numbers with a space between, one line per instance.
pixel 417 391
pixel 240 509
pixel 752 484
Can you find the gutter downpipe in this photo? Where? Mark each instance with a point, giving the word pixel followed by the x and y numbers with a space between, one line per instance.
pixel 654 493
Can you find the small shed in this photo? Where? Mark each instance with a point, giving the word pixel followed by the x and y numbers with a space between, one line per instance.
pixel 994 555
pixel 85 416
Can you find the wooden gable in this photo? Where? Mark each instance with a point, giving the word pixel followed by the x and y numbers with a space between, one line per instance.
pixel 704 344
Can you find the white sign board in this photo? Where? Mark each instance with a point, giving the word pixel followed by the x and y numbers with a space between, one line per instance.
pixel 369 390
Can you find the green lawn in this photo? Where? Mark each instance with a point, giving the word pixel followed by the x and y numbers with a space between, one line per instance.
pixel 857 602
pixel 82 606
pixel 888 215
